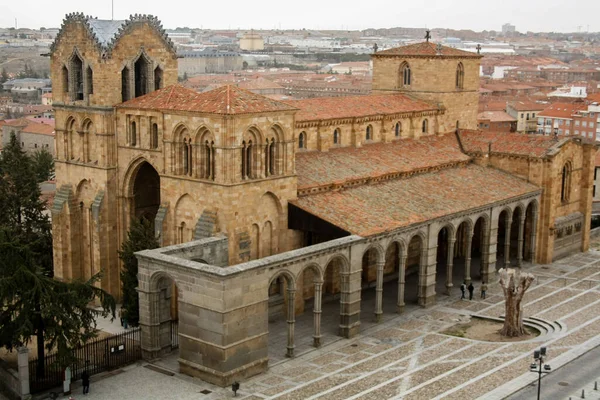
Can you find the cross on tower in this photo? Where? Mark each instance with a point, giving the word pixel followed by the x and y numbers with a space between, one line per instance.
pixel 478 49
pixel 427 35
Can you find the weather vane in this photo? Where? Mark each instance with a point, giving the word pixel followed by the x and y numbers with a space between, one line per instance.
pixel 427 35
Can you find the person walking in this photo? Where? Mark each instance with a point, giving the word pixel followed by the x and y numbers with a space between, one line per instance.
pixel 471 289
pixel 85 381
pixel 483 289
pixel 463 287
pixel 125 322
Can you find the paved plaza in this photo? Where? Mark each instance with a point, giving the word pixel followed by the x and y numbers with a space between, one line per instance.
pixel 406 356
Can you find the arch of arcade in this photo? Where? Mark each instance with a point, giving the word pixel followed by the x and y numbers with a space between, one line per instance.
pixel 224 309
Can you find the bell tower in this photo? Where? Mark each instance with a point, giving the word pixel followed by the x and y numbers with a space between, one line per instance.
pixel 438 74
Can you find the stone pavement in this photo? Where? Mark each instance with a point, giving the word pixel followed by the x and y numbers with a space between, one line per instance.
pixel 406 356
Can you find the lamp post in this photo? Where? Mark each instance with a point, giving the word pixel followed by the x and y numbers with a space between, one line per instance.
pixel 538 366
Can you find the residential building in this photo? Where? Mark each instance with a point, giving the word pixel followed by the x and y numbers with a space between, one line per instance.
pixel 496 121
pixel 525 112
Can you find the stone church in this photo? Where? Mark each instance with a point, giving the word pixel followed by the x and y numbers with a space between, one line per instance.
pixel 270 210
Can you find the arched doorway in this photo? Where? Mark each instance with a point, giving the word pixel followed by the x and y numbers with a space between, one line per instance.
pixel 310 295
pixel 164 317
pixel 282 294
pixel 146 193
pixel 478 248
pixel 371 284
pixel 414 266
pixel 515 235
pixel 503 241
pixel 444 261
pixel 529 234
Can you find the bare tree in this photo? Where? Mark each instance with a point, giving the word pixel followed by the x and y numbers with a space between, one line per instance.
pixel 514 284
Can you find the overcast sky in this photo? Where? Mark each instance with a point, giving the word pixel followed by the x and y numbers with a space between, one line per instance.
pixel 478 15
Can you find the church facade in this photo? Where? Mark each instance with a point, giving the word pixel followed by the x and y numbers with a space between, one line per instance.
pixel 266 207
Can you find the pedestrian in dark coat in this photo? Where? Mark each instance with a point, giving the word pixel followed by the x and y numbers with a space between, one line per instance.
pixel 471 289
pixel 463 287
pixel 85 381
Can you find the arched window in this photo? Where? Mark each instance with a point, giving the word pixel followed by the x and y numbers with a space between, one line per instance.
pixel 336 137
pixel 209 160
pixel 65 79
pixel 158 78
pixel 247 172
pixel 76 77
pixel 185 155
pixel 133 134
pixel 565 188
pixel 425 127
pixel 88 128
pixel 270 154
pixel 398 129
pixel 125 84
pixel 89 78
pixel 302 140
pixel 460 76
pixel 141 76
pixel 405 75
pixel 69 142
pixel 154 137
pixel 369 133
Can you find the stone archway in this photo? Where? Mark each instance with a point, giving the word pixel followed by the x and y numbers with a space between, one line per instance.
pixel 145 191
pixel 159 334
pixel 281 305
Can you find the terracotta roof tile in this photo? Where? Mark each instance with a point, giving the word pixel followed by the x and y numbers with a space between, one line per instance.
pixel 511 143
pixel 371 209
pixel 226 99
pixel 527 105
pixel 562 110
pixel 372 160
pixel 356 106
pixel 495 116
pixel 427 49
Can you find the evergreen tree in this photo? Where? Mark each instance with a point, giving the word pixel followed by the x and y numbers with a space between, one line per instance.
pixel 43 165
pixel 32 303
pixel 3 76
pixel 140 237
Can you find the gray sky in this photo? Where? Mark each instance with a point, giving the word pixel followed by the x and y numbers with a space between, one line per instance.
pixel 534 15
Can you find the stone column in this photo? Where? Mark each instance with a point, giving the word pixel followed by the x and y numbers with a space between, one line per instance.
pixel 520 242
pixel 23 371
pixel 290 321
pixel 468 256
pixel 507 242
pixel 379 292
pixel 317 313
pixel 401 283
pixel 450 265
pixel 534 234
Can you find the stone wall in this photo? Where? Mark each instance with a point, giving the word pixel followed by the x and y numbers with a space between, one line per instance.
pixel 9 381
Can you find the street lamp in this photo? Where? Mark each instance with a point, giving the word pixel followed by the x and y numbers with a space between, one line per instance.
pixel 539 356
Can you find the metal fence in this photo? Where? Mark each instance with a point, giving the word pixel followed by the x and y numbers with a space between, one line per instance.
pixel 96 356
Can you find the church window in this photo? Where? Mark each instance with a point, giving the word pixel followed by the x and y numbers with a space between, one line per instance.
pixel 77 77
pixel 158 78
pixel 460 76
pixel 369 133
pixel 125 84
pixel 132 134
pixel 405 74
pixel 141 76
pixel 425 126
pixel 398 129
pixel 302 140
pixel 209 160
pixel 89 78
pixel 270 155
pixel 336 137
pixel 565 188
pixel 154 137
pixel 187 156
pixel 65 79
pixel 247 172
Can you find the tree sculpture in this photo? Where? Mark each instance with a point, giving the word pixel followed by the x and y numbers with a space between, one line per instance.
pixel 514 284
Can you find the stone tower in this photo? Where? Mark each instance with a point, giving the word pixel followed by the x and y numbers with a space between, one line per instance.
pixel 435 73
pixel 96 64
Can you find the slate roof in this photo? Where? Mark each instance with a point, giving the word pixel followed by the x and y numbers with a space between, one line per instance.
pixel 227 99
pixel 509 143
pixel 372 209
pixel 426 49
pixel 372 160
pixel 356 106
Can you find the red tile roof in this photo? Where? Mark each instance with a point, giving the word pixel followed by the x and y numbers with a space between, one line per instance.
pixel 371 209
pixel 356 106
pixel 226 99
pixel 374 160
pixel 527 105
pixel 427 49
pixel 495 116
pixel 562 110
pixel 508 143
